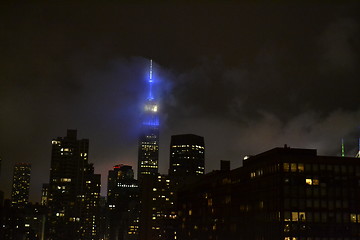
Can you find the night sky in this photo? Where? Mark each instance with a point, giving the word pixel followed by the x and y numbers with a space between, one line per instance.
pixel 247 77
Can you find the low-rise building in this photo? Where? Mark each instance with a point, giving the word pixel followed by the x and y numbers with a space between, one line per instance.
pixel 281 194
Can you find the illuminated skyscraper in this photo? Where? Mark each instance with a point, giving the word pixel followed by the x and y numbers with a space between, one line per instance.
pixel 187 156
pixel 149 137
pixel 21 185
pixel 73 191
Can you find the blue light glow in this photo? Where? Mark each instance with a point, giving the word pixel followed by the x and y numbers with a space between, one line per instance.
pixel 150 97
pixel 150 77
pixel 152 121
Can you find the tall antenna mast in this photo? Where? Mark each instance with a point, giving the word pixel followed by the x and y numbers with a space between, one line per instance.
pixel 150 82
pixel 342 148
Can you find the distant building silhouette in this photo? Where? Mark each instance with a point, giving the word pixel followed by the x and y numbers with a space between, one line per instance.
pixel 21 185
pixel 25 222
pixel 282 194
pixel 74 191
pixel 187 156
pixel 45 194
pixel 122 203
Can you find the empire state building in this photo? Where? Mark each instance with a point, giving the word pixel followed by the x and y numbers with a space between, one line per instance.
pixel 148 152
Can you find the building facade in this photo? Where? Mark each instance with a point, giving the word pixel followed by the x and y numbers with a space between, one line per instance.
pixel 21 185
pixel 187 157
pixel 122 203
pixel 158 211
pixel 284 193
pixel 73 191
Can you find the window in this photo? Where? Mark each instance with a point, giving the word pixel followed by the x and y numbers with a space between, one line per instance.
pixel 302 216
pixel 286 167
pixel 298 216
pixel 294 216
pixel 315 181
pixel 312 181
pixel 353 218
pixel 301 167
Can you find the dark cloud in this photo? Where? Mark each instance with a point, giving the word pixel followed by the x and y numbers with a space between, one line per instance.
pixel 247 77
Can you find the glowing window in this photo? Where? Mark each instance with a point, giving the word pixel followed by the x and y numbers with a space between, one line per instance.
pixel 353 217
pixel 286 167
pixel 301 167
pixel 294 216
pixel 302 216
pixel 315 181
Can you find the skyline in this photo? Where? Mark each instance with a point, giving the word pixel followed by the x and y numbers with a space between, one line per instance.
pixel 246 77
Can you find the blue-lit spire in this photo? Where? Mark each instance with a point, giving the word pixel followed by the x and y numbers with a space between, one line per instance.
pixel 150 97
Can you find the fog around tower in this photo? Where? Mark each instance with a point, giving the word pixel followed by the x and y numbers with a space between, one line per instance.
pixel 249 80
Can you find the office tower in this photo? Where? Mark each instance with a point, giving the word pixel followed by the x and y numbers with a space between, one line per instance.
pixel 73 192
pixel 21 185
pixel 187 157
pixel 90 204
pixel 157 208
pixel 187 163
pixel 148 151
pixel 122 201
pixel 164 212
pixel 283 193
